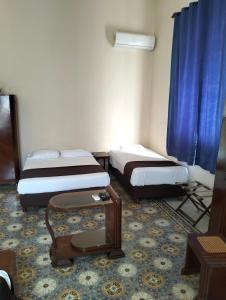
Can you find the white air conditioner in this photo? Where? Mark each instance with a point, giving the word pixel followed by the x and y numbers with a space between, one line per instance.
pixel 136 41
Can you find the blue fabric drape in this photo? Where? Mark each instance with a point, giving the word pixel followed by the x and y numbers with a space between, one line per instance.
pixel 183 104
pixel 212 82
pixel 198 83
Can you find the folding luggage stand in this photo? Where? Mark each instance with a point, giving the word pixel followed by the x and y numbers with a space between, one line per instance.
pixel 197 193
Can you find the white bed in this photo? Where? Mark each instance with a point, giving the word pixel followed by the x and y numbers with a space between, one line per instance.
pixel 147 175
pixel 41 176
pixel 61 183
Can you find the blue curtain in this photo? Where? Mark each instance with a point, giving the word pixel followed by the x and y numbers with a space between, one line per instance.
pixel 183 104
pixel 212 81
pixel 198 83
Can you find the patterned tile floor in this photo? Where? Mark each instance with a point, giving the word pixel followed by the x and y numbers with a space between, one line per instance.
pixel 154 241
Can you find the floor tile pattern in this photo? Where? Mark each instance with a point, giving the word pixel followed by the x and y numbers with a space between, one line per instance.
pixel 154 242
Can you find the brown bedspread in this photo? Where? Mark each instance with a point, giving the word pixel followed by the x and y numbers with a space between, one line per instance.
pixel 130 166
pixel 61 171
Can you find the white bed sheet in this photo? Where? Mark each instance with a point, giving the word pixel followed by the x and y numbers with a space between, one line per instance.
pixel 61 183
pixel 148 175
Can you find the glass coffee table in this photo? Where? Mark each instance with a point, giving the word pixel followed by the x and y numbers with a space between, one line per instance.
pixel 107 240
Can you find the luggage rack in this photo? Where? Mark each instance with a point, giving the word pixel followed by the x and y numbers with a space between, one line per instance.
pixel 198 194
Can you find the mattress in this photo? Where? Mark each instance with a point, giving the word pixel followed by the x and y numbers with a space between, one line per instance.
pixel 147 175
pixel 61 183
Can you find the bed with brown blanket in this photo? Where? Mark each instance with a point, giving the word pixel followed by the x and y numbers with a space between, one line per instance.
pixel 147 174
pixel 44 177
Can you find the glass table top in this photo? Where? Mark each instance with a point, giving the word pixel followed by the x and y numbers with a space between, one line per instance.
pixel 75 200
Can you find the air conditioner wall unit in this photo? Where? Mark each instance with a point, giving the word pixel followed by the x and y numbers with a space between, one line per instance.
pixel 136 41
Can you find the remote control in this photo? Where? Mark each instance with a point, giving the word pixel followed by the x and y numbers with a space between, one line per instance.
pixel 96 197
pixel 104 196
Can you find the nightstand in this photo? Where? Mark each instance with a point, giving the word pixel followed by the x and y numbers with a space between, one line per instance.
pixel 102 158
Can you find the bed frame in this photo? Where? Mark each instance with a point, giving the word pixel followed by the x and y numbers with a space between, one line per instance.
pixel 148 191
pixel 42 199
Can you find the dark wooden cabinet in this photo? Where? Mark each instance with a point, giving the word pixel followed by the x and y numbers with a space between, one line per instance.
pixel 206 252
pixel 218 208
pixel 9 151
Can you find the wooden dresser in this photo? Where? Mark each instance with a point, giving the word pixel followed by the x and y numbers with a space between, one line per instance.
pixel 217 222
pixel 9 151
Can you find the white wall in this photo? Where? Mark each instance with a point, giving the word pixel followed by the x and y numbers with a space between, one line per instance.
pixel 161 70
pixel 161 81
pixel 74 89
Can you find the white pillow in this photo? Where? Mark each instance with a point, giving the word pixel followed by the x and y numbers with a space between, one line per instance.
pixel 44 154
pixel 75 153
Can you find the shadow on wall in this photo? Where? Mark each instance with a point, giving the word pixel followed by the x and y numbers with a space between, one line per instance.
pixel 143 77
pixel 147 67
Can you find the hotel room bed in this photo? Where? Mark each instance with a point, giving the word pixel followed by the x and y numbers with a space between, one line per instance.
pixel 43 178
pixel 147 174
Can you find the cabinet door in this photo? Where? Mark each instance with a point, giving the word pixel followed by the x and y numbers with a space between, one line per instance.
pixel 7 162
pixel 217 222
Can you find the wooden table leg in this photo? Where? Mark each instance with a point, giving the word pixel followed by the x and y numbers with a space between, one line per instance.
pixel 113 215
pixel 59 262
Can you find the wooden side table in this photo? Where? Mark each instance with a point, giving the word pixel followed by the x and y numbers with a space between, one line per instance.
pixel 107 240
pixel 102 158
pixel 211 265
